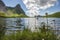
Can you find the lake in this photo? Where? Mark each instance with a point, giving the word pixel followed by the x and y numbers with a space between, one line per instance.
pixel 18 24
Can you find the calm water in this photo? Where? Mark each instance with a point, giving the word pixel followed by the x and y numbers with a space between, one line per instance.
pixel 13 24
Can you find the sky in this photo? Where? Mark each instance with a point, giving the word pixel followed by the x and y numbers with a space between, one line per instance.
pixel 36 7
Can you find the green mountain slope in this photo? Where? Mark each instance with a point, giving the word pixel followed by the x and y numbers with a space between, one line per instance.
pixel 16 11
pixel 56 14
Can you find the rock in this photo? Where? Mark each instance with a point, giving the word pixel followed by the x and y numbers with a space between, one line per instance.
pixel 18 9
pixel 2 6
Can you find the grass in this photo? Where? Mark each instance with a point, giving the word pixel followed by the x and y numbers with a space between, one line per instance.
pixel 26 34
pixel 12 15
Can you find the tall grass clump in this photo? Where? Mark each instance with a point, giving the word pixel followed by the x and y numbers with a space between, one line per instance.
pixel 28 35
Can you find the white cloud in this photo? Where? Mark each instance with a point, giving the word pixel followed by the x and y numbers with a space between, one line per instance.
pixel 32 12
pixel 34 6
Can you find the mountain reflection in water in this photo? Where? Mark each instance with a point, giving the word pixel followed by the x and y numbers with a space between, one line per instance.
pixel 14 24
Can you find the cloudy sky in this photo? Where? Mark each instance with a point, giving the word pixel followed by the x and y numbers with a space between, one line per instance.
pixel 36 7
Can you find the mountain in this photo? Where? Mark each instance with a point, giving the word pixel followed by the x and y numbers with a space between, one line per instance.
pixel 56 14
pixel 17 9
pixel 11 11
pixel 2 6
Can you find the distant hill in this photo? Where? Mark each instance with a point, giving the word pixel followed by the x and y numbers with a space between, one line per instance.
pixel 11 11
pixel 56 14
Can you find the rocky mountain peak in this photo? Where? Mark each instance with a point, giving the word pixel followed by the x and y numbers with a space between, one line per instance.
pixel 18 6
pixel 18 9
pixel 2 6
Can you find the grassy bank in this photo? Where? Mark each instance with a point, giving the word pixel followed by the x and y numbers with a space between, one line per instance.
pixel 12 15
pixel 28 35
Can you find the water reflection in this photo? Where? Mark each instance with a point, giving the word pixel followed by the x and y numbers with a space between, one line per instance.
pixel 14 24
